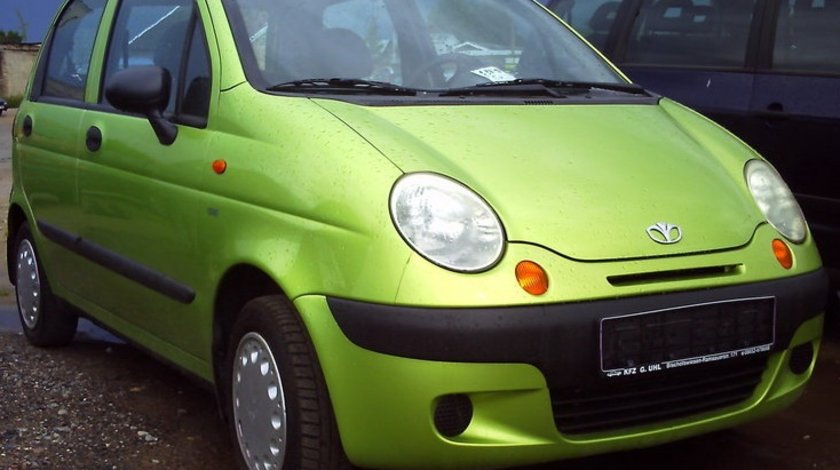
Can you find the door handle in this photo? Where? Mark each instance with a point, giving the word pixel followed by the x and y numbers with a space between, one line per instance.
pixel 27 126
pixel 775 111
pixel 93 138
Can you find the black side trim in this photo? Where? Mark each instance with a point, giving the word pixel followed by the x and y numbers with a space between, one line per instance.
pixel 127 268
pixel 562 340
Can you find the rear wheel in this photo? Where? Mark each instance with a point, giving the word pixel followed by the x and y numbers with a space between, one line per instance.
pixel 276 398
pixel 43 318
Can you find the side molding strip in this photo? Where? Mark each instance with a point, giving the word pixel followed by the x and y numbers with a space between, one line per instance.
pixel 125 267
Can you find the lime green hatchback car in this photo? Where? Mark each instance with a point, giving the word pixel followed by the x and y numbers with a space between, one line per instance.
pixel 405 233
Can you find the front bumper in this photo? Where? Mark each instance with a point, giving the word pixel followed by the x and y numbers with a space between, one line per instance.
pixel 521 367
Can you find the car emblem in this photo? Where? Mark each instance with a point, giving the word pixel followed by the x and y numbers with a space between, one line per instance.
pixel 664 233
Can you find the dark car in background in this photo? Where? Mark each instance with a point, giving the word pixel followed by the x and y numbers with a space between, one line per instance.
pixel 3 106
pixel 768 70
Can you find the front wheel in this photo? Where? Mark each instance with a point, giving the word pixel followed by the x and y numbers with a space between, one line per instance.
pixel 276 399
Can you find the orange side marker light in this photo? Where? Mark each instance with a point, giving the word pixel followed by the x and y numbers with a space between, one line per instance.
pixel 219 166
pixel 783 254
pixel 532 277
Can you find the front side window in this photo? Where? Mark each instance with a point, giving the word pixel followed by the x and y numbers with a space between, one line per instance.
pixel 808 36
pixel 691 33
pixel 167 34
pixel 421 44
pixel 71 47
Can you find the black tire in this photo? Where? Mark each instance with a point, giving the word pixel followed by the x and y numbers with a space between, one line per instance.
pixel 43 318
pixel 311 436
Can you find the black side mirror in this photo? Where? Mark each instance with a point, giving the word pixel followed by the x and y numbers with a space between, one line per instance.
pixel 144 90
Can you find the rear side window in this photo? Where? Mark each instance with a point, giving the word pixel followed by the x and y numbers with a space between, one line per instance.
pixel 167 34
pixel 691 33
pixel 71 47
pixel 808 36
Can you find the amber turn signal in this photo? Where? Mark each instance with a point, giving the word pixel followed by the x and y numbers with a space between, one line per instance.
pixel 219 166
pixel 532 277
pixel 783 254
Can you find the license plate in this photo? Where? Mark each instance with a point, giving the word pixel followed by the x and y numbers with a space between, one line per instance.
pixel 656 341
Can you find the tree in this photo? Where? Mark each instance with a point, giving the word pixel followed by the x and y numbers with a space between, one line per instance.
pixel 10 37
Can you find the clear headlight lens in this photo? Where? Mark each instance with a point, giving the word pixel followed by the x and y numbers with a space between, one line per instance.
pixel 446 222
pixel 775 200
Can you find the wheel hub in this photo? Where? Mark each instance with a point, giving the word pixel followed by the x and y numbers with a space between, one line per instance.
pixel 28 285
pixel 259 407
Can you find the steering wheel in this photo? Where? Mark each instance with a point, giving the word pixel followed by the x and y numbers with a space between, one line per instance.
pixel 463 64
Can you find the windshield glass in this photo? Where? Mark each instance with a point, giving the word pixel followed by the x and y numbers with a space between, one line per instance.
pixel 422 44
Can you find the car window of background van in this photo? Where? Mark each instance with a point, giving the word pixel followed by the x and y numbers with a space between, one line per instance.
pixel 808 36
pixel 681 32
pixel 591 19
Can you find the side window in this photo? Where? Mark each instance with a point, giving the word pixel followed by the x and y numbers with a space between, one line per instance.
pixel 169 35
pixel 194 88
pixel 71 47
pixel 808 36
pixel 693 33
pixel 592 19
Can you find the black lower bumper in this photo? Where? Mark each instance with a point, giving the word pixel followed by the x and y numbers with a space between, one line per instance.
pixel 550 336
pixel 564 342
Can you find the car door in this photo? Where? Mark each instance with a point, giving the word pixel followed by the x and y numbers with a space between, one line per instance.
pixel 796 111
pixel 49 144
pixel 138 205
pixel 697 52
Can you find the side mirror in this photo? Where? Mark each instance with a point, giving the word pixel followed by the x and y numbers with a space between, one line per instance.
pixel 144 90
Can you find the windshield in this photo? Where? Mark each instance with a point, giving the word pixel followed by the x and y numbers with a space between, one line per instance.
pixel 417 44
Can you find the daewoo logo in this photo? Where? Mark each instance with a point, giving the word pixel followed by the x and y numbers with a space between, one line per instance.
pixel 664 233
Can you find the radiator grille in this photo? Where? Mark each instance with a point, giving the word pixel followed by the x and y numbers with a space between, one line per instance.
pixel 653 399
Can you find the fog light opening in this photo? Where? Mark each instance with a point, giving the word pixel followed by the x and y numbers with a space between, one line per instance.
pixel 453 414
pixel 532 277
pixel 783 254
pixel 801 358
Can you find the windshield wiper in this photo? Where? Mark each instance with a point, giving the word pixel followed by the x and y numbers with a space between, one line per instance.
pixel 342 85
pixel 544 86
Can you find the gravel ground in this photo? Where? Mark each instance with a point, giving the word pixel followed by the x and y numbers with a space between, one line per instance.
pixel 102 405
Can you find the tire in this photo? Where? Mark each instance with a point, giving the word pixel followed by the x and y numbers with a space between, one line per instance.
pixel 276 401
pixel 42 316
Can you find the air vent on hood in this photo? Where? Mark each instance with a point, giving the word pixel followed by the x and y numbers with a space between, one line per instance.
pixel 675 275
pixel 539 102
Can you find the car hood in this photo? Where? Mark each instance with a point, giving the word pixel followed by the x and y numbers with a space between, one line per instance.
pixel 585 181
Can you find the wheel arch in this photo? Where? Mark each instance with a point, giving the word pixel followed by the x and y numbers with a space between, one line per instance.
pixel 239 285
pixel 16 217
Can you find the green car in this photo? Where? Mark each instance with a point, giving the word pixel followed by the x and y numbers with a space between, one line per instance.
pixel 405 233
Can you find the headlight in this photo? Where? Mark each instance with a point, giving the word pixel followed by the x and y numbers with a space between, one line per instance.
pixel 775 200
pixel 446 222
